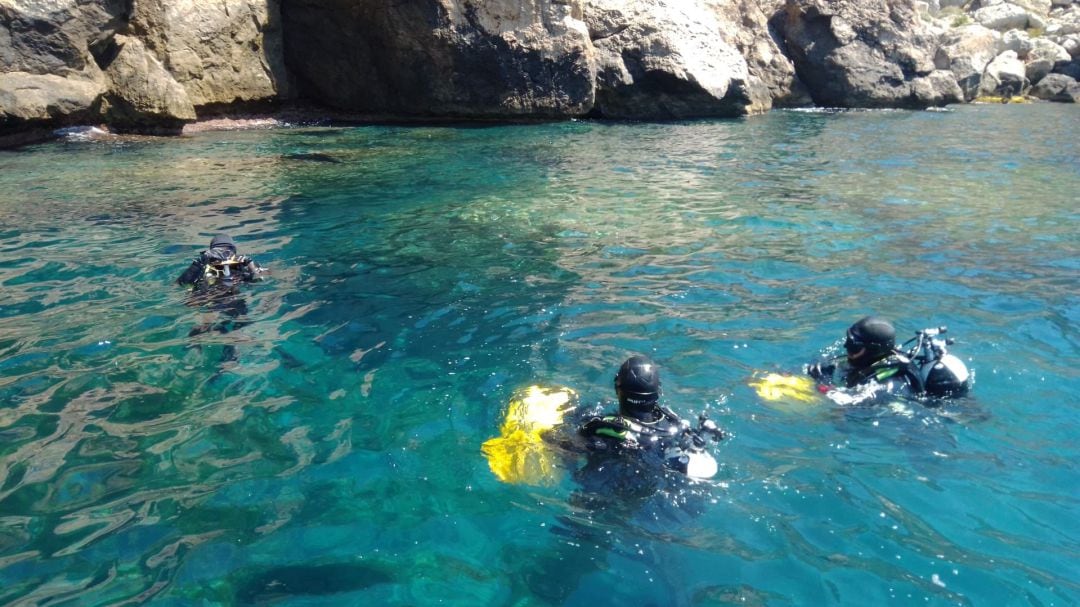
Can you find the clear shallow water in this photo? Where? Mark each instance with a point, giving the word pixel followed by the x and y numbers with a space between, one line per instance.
pixel 329 451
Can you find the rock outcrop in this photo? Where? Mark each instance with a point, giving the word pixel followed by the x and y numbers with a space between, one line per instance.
pixel 153 65
pixel 866 53
pixel 223 52
pixel 1003 48
pixel 442 58
pixel 48 74
pixel 142 66
pixel 661 60
pixel 966 51
pixel 682 59
pixel 143 96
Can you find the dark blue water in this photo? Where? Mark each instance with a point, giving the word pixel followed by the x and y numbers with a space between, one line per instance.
pixel 327 449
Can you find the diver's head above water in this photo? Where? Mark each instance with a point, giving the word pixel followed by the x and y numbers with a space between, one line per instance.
pixel 223 241
pixel 637 385
pixel 869 340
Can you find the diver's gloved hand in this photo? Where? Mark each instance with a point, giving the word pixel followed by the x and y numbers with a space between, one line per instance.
pixel 821 371
pixel 709 428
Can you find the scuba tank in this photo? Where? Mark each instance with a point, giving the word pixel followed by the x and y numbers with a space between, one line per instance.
pixel 940 373
pixel 687 454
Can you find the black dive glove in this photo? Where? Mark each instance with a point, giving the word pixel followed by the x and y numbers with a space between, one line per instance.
pixel 822 372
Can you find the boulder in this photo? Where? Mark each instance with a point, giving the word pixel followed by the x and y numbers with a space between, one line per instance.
pixel 966 51
pixel 442 58
pixel 1038 8
pixel 936 89
pixel 1057 87
pixel 1041 59
pixel 1002 17
pixel 1018 41
pixel 1071 44
pixel 1069 68
pixel 143 97
pixel 657 60
pixel 226 51
pixel 48 98
pixel 868 53
pixel 1004 77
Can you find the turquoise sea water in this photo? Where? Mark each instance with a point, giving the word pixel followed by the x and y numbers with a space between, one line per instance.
pixel 328 451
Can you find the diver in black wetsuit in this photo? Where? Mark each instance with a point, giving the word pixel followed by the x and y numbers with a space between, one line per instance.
pixel 640 467
pixel 214 277
pixel 220 265
pixel 874 367
pixel 642 425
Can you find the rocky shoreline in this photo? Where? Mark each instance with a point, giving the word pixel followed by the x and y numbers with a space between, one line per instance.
pixel 159 67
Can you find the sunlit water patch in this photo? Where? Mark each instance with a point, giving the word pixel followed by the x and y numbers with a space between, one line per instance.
pixel 323 447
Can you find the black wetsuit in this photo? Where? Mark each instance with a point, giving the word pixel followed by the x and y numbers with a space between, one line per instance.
pixel 893 375
pixel 667 439
pixel 219 265
pixel 618 432
pixel 215 276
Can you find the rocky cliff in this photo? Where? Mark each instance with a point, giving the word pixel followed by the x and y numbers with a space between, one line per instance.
pixel 154 65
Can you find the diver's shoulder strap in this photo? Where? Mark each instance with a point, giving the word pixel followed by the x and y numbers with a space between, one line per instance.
pixel 895 365
pixel 612 426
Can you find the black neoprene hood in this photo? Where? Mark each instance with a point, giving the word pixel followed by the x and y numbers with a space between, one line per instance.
pixel 873 333
pixel 222 240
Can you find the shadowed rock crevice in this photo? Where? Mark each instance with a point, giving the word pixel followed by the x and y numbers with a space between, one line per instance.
pixel 423 59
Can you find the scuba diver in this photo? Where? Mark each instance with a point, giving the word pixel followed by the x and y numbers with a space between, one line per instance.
pixel 874 367
pixel 214 277
pixel 220 264
pixel 643 425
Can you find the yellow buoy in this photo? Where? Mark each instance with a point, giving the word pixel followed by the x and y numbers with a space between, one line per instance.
pixel 519 454
pixel 776 387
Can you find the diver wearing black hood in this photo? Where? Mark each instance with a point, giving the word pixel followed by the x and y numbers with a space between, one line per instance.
pixel 220 264
pixel 643 424
pixel 873 365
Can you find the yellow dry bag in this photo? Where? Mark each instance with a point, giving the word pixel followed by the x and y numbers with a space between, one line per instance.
pixel 790 389
pixel 519 455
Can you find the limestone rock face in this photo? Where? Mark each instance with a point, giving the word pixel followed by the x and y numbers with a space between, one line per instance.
pixel 661 60
pixel 56 36
pixel 28 98
pixel 194 53
pixel 222 52
pixel 866 53
pixel 772 73
pixel 143 96
pixel 47 69
pixel 449 58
